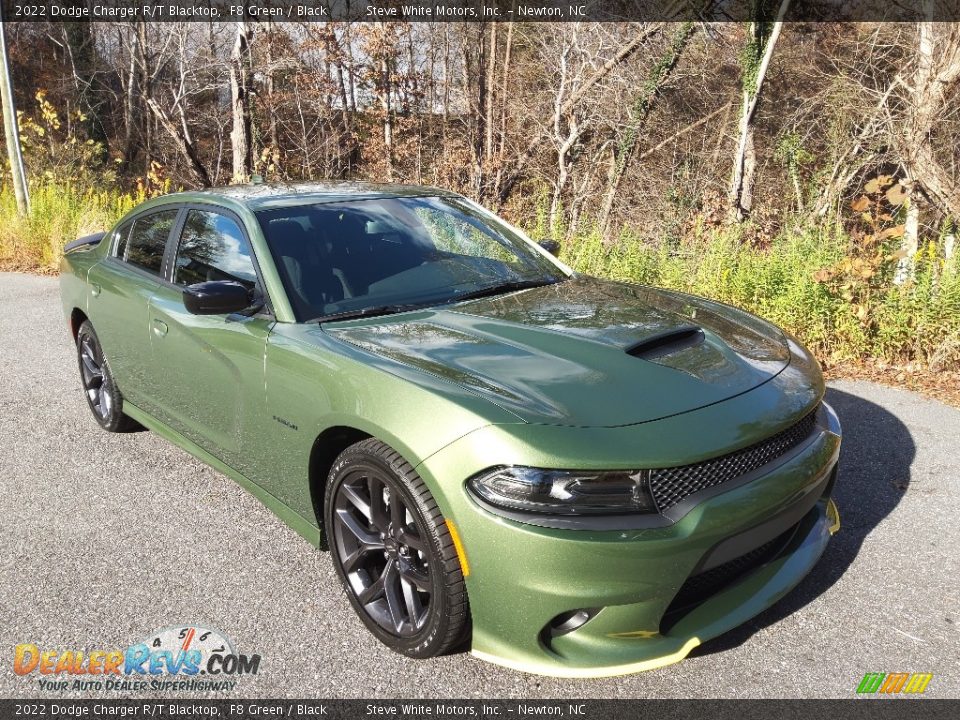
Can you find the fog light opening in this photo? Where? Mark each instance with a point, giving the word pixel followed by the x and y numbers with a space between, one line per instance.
pixel 569 621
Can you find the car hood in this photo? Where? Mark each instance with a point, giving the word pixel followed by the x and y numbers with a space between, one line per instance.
pixel 584 352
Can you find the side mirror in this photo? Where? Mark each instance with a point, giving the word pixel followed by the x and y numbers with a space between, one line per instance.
pixel 216 297
pixel 551 246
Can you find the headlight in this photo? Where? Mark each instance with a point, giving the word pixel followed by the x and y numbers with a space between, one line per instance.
pixel 565 492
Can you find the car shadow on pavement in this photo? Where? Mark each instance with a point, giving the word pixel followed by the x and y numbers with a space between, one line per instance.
pixel 875 459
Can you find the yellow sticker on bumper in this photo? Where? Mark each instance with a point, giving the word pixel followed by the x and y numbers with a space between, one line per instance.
pixel 833 515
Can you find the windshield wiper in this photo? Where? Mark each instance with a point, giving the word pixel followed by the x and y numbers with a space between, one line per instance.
pixel 376 310
pixel 364 312
pixel 504 287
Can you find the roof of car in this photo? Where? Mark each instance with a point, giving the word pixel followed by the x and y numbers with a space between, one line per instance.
pixel 260 195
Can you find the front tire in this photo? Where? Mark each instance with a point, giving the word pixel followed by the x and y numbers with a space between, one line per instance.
pixel 103 396
pixel 393 552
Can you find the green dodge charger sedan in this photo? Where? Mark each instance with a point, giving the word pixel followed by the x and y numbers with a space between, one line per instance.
pixel 569 475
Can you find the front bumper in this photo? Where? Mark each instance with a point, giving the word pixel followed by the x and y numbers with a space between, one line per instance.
pixel 637 582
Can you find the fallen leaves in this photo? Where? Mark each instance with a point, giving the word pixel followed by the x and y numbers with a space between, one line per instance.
pixel 940 385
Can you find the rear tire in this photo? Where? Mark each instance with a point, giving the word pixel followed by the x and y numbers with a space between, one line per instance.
pixel 393 552
pixel 103 396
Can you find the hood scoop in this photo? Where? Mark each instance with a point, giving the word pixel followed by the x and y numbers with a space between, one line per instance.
pixel 667 343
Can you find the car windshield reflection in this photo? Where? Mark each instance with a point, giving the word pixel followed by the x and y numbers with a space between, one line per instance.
pixel 377 256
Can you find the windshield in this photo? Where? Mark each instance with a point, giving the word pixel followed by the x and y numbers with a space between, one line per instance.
pixel 389 254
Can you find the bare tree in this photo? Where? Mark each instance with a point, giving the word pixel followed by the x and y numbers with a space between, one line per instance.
pixel 622 152
pixel 240 102
pixel 172 47
pixel 740 196
pixel 927 96
pixel 606 124
pixel 625 51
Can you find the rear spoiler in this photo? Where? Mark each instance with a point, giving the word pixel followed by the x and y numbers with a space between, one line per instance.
pixel 84 243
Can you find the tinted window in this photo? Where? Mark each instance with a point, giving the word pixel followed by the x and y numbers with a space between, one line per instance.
pixel 118 239
pixel 144 245
pixel 212 247
pixel 342 257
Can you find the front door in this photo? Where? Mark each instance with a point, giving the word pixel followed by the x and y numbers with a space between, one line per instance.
pixel 120 290
pixel 210 368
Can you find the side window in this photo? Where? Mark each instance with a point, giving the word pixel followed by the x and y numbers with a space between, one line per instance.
pixel 118 239
pixel 213 247
pixel 144 244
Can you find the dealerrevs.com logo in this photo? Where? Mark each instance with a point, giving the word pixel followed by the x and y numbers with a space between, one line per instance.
pixel 184 657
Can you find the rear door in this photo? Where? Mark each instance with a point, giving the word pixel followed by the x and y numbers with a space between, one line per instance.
pixel 209 368
pixel 120 289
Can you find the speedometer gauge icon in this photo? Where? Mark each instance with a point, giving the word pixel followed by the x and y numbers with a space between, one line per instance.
pixel 184 638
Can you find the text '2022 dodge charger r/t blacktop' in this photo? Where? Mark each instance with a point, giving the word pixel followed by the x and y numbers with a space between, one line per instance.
pixel 574 476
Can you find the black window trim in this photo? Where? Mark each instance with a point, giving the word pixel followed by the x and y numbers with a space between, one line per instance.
pixel 173 246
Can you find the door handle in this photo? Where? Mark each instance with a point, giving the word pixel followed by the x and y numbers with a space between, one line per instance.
pixel 159 328
pixel 94 290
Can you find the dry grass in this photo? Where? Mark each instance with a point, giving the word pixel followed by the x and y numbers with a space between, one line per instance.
pixel 59 214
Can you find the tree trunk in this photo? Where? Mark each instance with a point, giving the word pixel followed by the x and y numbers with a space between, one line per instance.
pixel 11 131
pixel 272 131
pixel 565 140
pixel 475 82
pixel 937 72
pixel 131 109
pixel 240 103
pixel 740 195
pixel 446 76
pixel 504 94
pixel 910 244
pixel 491 82
pixel 563 171
pixel 386 109
pixel 144 87
pixel 336 57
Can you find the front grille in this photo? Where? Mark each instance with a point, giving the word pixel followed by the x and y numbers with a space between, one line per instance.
pixel 671 485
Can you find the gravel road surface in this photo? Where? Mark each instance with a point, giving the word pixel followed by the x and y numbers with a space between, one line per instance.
pixel 107 537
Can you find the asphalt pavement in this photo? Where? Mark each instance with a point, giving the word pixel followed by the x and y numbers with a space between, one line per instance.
pixel 107 537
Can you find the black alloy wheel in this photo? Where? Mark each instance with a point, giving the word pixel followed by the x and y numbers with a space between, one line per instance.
pixel 103 397
pixel 393 552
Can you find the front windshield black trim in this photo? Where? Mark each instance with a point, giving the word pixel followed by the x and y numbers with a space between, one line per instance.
pixel 365 312
pixel 503 288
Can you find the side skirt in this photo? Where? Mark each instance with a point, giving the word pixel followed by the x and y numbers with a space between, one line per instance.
pixel 305 528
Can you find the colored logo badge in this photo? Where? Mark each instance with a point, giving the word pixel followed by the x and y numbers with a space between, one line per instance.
pixel 894 683
pixel 180 657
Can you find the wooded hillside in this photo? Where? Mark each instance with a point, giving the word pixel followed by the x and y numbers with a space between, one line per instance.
pixel 649 125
